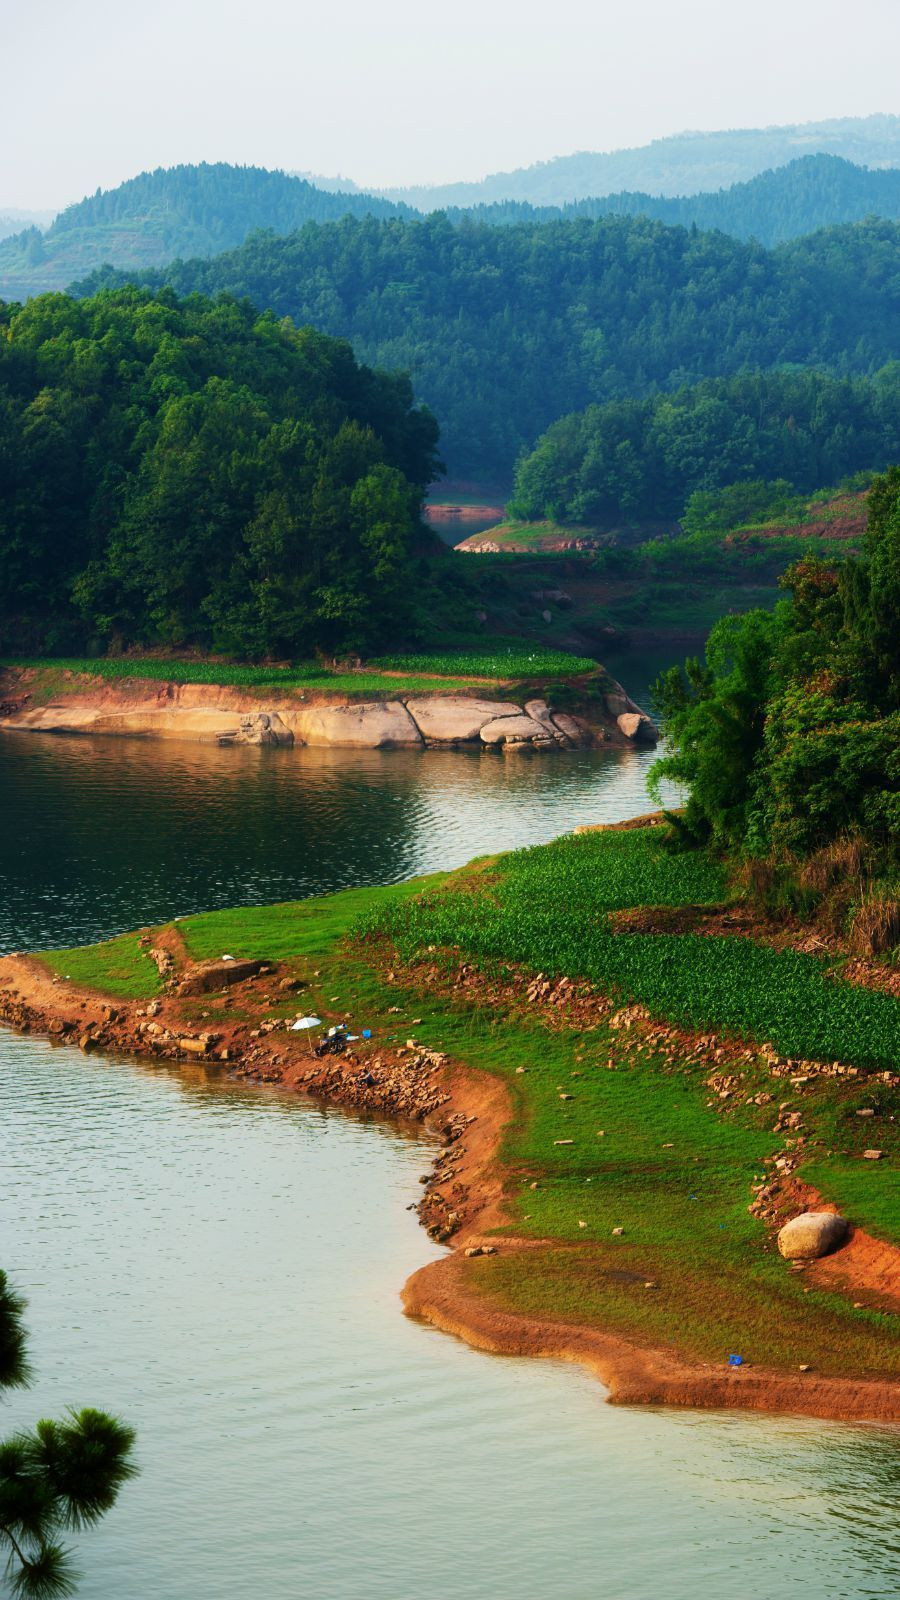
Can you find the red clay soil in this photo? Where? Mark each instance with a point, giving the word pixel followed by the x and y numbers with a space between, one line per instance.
pixel 464 1196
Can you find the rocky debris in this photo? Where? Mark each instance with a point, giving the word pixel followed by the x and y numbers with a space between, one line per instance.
pixel 162 961
pixel 204 977
pixel 260 728
pixel 812 1234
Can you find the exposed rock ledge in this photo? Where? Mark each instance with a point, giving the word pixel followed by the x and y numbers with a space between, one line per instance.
pixel 212 714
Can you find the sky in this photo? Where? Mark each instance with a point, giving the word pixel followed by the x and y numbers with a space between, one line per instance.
pixel 392 92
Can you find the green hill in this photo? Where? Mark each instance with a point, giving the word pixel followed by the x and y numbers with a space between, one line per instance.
pixel 175 211
pixel 504 330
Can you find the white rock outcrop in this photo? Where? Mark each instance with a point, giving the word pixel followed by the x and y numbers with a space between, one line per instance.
pixel 369 725
pixel 455 719
pixel 812 1234
pixel 514 730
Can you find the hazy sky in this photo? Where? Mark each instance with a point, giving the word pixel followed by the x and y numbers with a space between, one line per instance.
pixel 397 91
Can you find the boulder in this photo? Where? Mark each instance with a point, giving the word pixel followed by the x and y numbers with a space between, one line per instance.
pixel 455 719
pixel 637 727
pixel 373 725
pixel 540 712
pixel 514 730
pixel 576 732
pixel 206 976
pixel 812 1234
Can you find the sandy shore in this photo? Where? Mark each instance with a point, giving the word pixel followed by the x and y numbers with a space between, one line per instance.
pixel 464 1193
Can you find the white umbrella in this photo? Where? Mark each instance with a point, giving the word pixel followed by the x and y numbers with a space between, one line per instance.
pixel 306 1025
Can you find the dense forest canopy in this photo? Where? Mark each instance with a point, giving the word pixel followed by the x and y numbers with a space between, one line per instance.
pixel 189 472
pixel 788 734
pixel 635 459
pixel 809 193
pixel 200 210
pixel 504 330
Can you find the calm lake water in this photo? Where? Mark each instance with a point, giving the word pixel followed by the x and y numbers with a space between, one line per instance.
pixel 222 1264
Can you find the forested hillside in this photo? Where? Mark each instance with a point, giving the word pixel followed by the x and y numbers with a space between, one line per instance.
pixel 683 163
pixel 200 474
pixel 201 210
pixel 636 459
pixel 175 211
pixel 504 330
pixel 809 193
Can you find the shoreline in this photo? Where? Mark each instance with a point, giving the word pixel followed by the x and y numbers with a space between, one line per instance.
pixel 489 716
pixel 468 1110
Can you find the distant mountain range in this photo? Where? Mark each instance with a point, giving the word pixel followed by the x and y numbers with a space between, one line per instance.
pixel 199 211
pixel 810 193
pixel 682 164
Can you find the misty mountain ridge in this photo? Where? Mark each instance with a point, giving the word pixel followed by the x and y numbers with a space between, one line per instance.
pixel 679 164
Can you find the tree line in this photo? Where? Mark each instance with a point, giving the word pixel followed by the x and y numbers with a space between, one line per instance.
pixel 788 733
pixel 194 472
pixel 642 459
pixel 504 330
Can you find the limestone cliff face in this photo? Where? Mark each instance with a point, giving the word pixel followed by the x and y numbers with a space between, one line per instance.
pixel 212 714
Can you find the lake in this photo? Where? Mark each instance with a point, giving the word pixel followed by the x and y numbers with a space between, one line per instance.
pixel 221 1264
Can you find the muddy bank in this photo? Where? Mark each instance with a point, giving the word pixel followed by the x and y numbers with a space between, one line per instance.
pixel 36 701
pixel 463 1193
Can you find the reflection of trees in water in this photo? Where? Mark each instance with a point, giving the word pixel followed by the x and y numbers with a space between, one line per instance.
pixel 100 835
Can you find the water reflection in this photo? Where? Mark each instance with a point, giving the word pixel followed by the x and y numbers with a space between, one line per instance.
pixel 100 835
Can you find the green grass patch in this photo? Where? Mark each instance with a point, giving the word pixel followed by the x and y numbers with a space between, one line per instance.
pixel 292 929
pixel 117 967
pixel 504 661
pixel 310 677
pixel 547 908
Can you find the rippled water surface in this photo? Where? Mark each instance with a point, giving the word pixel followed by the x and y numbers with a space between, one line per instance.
pixel 221 1264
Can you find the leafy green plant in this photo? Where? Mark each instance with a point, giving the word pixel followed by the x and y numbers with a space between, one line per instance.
pixel 60 1476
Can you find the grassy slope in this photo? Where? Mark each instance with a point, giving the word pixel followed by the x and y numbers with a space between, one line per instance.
pixel 446 671
pixel 673 1164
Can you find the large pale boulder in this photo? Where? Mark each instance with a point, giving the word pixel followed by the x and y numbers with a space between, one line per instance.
pixel 455 719
pixel 540 712
pixel 371 725
pixel 514 730
pixel 575 732
pixel 812 1234
pixel 637 727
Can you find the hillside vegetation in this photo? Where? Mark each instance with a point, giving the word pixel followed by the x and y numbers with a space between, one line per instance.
pixel 810 193
pixel 635 459
pixel 504 330
pixel 196 473
pixel 200 210
pixel 172 211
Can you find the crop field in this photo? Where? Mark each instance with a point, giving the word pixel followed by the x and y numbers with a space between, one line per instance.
pixel 512 661
pixel 387 675
pixel 547 909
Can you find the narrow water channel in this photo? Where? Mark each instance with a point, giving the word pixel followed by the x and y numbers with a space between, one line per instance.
pixel 221 1264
